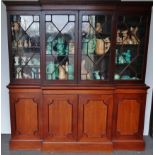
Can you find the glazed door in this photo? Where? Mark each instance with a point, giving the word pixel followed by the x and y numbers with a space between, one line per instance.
pixel 60 48
pixel 24 46
pixel 26 115
pixel 60 117
pixel 129 115
pixel 95 117
pixel 95 46
pixel 131 47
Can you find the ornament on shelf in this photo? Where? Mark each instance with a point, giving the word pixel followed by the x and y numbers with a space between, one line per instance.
pixel 25 43
pixel 71 47
pixel 18 73
pixel 118 39
pixel 96 75
pixel 70 72
pixel 20 43
pixel 26 76
pixel 85 75
pixel 134 37
pixel 89 45
pixel 116 76
pixel 62 73
pixel 24 60
pixel 16 58
pixel 29 43
pixel 102 46
pixel 98 28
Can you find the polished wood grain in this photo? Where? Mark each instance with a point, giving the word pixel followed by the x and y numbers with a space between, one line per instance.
pixel 95 117
pixel 77 147
pixel 26 115
pixel 128 117
pixel 60 118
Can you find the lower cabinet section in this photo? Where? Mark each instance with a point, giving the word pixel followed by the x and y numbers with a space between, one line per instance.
pixel 129 109
pixel 77 120
pixel 26 121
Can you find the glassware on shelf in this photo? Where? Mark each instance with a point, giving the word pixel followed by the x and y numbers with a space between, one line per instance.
pixel 49 70
pixel 116 76
pixel 96 75
pixel 89 44
pixel 70 72
pixel 60 46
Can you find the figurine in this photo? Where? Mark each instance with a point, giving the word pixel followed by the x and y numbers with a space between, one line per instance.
pixel 18 73
pixel 25 43
pixel 16 58
pixel 29 44
pixel 125 37
pixel 23 60
pixel 71 47
pixel 118 39
pixel 62 73
pixel 98 28
pixel 16 26
pixel 102 46
pixel 134 37
pixel 20 43
pixel 84 73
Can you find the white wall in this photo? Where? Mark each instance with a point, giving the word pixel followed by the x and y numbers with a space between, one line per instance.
pixel 149 79
pixel 5 114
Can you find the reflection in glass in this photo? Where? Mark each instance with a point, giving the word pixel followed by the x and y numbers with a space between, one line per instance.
pixel 60 42
pixel 96 43
pixel 25 46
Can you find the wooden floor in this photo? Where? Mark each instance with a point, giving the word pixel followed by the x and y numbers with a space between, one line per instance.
pixel 5 150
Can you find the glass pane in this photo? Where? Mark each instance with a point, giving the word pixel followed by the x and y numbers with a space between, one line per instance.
pixel 25 46
pixel 95 50
pixel 60 47
pixel 129 47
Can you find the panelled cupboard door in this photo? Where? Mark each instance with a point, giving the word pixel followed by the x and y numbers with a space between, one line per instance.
pixel 25 115
pixel 60 117
pixel 95 117
pixel 129 118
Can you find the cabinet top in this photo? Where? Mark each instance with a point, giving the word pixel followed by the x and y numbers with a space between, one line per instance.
pixel 75 2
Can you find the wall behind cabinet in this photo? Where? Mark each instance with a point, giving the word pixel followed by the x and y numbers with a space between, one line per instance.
pixel 5 114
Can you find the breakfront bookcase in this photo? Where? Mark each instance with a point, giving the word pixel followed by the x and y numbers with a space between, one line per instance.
pixel 77 71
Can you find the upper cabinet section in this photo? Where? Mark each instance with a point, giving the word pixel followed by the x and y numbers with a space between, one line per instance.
pixel 78 44
pixel 25 46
